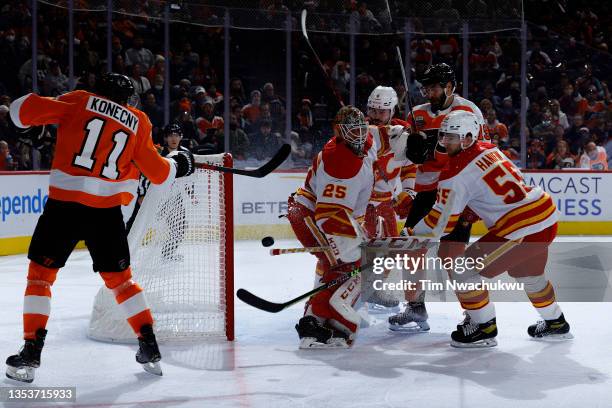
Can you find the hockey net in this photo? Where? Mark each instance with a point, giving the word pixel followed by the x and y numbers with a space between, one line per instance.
pixel 181 248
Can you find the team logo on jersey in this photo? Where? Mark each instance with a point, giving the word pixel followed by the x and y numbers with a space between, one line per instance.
pixel 420 121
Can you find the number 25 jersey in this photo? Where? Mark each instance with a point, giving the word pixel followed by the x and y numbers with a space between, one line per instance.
pixel 100 147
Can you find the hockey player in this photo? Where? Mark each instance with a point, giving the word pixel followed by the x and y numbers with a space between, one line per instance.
pixel 100 142
pixel 394 181
pixel 522 222
pixel 324 212
pixel 438 86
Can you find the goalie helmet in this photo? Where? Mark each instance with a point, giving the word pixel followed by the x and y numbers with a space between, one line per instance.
pixel 352 127
pixel 457 125
pixel 116 87
pixel 383 97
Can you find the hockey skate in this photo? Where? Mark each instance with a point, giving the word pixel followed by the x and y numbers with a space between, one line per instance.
pixel 21 367
pixel 470 334
pixel 412 320
pixel 382 302
pixel 313 335
pixel 148 353
pixel 551 330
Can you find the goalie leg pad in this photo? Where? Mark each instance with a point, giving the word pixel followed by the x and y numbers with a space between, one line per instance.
pixel 130 298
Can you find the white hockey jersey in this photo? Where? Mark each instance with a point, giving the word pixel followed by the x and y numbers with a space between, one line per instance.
pixel 338 186
pixel 483 178
pixel 390 175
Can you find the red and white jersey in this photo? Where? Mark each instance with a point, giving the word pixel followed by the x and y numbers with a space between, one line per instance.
pixel 338 186
pixel 428 173
pixel 390 176
pixel 100 150
pixel 483 178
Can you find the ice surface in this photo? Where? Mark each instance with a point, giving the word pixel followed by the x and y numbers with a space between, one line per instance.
pixel 264 368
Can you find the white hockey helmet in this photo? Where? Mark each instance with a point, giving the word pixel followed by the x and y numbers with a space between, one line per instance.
pixel 459 124
pixel 383 97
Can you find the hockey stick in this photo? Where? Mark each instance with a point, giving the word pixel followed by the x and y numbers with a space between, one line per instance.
pixel 327 77
pixel 260 172
pixel 392 243
pixel 267 306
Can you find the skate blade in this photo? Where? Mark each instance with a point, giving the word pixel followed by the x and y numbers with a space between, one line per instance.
pixel 412 327
pixel 554 337
pixel 479 344
pixel 22 374
pixel 153 368
pixel 374 308
pixel 310 343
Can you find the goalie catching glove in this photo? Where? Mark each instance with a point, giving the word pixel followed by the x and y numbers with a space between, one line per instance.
pixel 184 161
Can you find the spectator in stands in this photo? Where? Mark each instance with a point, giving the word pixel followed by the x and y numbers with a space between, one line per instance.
pixel 205 74
pixel 587 80
pixel 239 141
pixel 275 102
pixel 594 157
pixel 214 94
pixel 305 119
pixel 608 147
pixel 264 143
pixel 119 65
pixel 208 120
pixel 116 47
pixel 341 79
pixel 237 91
pixel 561 157
pixel 55 83
pixel 300 151
pixel 191 60
pixel 251 111
pixel 139 55
pixel 141 83
pixel 159 68
pixel 559 117
pixel 497 130
pixel 6 160
pixel 190 131
pixel 158 89
pixel 534 115
pixel 591 107
pixel 199 96
pixel 535 154
pixel 29 157
pixel 363 19
pixel 545 130
pixel 153 111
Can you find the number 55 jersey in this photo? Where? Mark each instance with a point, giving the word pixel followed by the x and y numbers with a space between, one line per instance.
pixel 100 147
pixel 482 178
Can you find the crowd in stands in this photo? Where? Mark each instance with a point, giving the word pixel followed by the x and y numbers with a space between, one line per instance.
pixel 569 67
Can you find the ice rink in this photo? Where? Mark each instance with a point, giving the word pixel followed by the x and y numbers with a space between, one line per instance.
pixel 264 368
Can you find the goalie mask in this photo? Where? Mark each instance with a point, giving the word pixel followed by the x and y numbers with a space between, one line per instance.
pixel 352 128
pixel 382 98
pixel 456 127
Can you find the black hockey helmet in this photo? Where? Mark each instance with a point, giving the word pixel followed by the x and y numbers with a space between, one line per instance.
pixel 438 74
pixel 173 128
pixel 116 87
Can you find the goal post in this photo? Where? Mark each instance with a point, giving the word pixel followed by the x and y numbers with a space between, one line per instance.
pixel 182 255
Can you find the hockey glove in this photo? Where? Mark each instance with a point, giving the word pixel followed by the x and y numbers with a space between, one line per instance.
pixel 185 163
pixel 417 148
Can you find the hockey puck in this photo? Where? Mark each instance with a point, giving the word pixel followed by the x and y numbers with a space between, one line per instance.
pixel 267 241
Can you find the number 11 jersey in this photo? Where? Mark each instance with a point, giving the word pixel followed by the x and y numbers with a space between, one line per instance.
pixel 100 147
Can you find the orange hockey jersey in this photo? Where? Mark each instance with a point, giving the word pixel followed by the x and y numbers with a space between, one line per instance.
pixel 429 122
pixel 100 147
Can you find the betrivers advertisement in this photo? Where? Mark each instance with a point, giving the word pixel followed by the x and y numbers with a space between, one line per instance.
pixel 260 203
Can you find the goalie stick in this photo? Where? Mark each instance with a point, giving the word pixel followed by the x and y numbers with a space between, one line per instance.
pixel 278 159
pixel 271 307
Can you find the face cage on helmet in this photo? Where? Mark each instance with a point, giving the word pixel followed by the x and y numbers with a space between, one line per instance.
pixel 354 135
